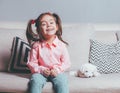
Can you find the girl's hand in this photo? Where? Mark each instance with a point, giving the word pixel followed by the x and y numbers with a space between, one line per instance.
pixel 53 73
pixel 46 72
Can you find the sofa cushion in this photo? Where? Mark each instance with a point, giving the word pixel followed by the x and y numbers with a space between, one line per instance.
pixel 106 83
pixel 13 83
pixel 18 83
pixel 104 36
pixel 19 54
pixel 78 37
pixel 118 35
pixel 105 56
pixel 6 38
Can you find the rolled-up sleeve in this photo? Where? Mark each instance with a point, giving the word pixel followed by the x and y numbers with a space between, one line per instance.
pixel 64 60
pixel 33 62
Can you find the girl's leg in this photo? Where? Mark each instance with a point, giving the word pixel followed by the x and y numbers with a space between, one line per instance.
pixel 60 84
pixel 37 82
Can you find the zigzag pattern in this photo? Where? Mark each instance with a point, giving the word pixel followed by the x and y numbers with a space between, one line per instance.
pixel 105 56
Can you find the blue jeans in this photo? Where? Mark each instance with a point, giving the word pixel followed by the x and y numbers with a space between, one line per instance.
pixel 37 82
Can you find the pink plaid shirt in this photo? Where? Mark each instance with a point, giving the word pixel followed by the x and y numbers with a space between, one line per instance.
pixel 43 56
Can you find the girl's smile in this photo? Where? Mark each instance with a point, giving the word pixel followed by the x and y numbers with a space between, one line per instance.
pixel 48 58
pixel 48 26
pixel 50 31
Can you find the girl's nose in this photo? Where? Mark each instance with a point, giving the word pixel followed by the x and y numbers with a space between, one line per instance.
pixel 48 24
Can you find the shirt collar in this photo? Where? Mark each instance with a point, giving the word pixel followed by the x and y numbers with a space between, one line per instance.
pixel 54 43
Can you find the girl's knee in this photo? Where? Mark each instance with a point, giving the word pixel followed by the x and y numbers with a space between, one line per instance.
pixel 36 83
pixel 37 79
pixel 61 79
pixel 61 84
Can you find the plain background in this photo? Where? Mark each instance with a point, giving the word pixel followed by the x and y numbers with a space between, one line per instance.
pixel 70 11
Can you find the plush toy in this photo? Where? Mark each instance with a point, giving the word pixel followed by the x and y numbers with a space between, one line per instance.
pixel 86 70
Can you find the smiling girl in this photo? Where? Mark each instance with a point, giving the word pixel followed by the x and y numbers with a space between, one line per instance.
pixel 49 58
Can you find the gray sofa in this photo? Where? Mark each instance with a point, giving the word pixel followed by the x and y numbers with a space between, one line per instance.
pixel 77 35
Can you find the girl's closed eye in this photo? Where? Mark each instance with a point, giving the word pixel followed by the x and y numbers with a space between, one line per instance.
pixel 43 24
pixel 52 22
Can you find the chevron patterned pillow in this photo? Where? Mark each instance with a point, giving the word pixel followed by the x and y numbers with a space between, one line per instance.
pixel 19 54
pixel 105 56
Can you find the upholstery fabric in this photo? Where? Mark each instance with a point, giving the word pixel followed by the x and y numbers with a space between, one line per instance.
pixel 118 35
pixel 19 54
pixel 105 56
pixel 107 83
pixel 76 36
pixel 6 39
pixel 78 40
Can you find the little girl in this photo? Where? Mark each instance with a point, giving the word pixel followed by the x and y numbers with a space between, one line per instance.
pixel 48 57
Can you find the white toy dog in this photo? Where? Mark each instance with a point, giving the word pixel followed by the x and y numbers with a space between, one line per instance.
pixel 86 71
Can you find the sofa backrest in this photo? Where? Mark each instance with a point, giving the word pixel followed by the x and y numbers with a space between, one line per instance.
pixel 6 39
pixel 77 35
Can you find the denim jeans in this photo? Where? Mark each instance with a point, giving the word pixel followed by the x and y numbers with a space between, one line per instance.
pixel 37 82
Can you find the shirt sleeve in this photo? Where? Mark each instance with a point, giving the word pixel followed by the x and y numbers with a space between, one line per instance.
pixel 33 63
pixel 65 61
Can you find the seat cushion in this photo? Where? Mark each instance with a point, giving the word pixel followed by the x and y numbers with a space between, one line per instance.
pixel 18 83
pixel 106 83
pixel 13 82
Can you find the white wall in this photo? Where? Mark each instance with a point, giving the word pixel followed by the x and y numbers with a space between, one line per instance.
pixel 70 11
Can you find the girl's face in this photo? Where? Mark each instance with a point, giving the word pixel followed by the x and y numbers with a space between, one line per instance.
pixel 48 26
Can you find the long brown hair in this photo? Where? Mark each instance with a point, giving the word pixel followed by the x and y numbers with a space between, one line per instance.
pixel 37 36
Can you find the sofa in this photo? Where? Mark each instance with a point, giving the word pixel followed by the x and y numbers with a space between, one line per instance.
pixel 79 37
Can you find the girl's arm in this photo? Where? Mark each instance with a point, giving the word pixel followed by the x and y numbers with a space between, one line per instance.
pixel 65 61
pixel 33 63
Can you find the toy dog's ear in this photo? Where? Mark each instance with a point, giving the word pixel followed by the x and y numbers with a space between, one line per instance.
pixel 80 74
pixel 82 69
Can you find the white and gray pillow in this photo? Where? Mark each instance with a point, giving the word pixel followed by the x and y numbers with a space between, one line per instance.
pixel 105 56
pixel 19 54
